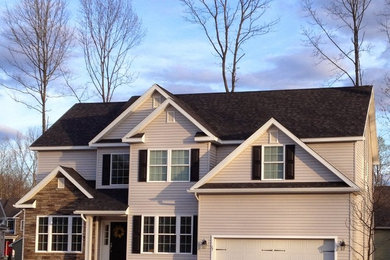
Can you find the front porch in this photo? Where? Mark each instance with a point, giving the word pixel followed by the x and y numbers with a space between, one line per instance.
pixel 105 234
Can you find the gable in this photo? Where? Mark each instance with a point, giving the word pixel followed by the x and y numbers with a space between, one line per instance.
pixel 307 168
pixel 164 134
pixel 252 139
pixel 69 174
pixel 134 117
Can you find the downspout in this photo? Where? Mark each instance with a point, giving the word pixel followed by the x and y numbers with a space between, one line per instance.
pixel 24 224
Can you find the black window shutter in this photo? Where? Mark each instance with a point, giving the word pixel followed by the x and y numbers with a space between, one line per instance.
pixel 195 235
pixel 256 162
pixel 194 165
pixel 290 162
pixel 136 241
pixel 142 165
pixel 106 169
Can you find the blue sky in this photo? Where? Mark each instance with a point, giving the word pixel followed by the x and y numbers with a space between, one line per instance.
pixel 175 54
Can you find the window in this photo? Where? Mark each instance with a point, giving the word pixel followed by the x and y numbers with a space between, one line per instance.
pixel 171 116
pixel 61 183
pixel 119 169
pixel 167 234
pixel 273 162
pixel 11 225
pixel 156 100
pixel 59 234
pixel 169 165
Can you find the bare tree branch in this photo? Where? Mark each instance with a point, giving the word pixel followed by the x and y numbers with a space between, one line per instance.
pixel 109 30
pixel 344 16
pixel 227 26
pixel 37 40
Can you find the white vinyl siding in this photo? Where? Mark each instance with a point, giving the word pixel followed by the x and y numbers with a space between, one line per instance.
pixel 165 198
pixel 307 168
pixel 133 119
pixel 84 162
pixel 300 215
pixel 340 155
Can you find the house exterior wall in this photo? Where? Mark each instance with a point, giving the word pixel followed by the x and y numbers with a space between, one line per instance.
pixel 83 161
pixel 223 151
pixel 340 155
pixel 164 198
pixel 258 215
pixel 133 119
pixel 51 201
pixel 307 168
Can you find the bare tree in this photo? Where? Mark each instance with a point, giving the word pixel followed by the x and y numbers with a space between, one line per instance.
pixel 338 35
pixel 17 165
pixel 109 29
pixel 228 25
pixel 37 41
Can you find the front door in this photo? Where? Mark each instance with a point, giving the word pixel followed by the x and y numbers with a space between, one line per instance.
pixel 118 240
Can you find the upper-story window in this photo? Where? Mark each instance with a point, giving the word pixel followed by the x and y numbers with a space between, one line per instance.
pixel 169 165
pixel 59 234
pixel 115 169
pixel 157 100
pixel 273 162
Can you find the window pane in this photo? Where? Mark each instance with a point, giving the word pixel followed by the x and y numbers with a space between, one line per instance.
pixel 149 225
pixel 42 242
pixel 120 169
pixel 273 171
pixel 180 157
pixel 43 225
pixel 185 244
pixel 60 225
pixel 76 242
pixel 77 225
pixel 185 225
pixel 180 173
pixel 148 243
pixel 158 157
pixel 167 243
pixel 273 153
pixel 158 173
pixel 59 243
pixel 167 225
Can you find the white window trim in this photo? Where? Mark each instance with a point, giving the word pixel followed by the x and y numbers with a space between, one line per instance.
pixel 169 164
pixel 262 161
pixel 60 183
pixel 118 185
pixel 177 234
pixel 50 234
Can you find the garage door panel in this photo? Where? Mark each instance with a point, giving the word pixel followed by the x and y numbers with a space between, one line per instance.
pixel 274 249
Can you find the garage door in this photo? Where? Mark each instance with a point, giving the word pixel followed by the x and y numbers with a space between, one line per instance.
pixel 275 249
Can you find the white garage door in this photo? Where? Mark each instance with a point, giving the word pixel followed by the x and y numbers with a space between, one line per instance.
pixel 275 249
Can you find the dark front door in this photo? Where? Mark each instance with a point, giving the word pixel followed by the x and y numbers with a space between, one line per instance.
pixel 118 240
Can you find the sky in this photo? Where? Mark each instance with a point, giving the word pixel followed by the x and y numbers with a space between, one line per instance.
pixel 176 55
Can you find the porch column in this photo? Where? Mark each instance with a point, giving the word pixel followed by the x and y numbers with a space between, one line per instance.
pixel 88 237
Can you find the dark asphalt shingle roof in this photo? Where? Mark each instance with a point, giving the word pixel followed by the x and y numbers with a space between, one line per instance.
pixel 8 207
pixel 307 113
pixel 103 199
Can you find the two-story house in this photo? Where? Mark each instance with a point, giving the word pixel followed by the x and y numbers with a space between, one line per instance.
pixel 246 175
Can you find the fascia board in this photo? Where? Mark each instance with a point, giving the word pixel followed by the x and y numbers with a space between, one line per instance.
pixel 26 206
pixel 131 108
pixel 46 180
pixel 257 134
pixel 274 190
pixel 109 145
pixel 333 139
pixel 100 212
pixel 55 148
